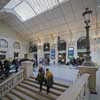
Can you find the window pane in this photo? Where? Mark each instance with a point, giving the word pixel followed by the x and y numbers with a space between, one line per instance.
pixel 24 11
pixel 41 6
pixel 35 5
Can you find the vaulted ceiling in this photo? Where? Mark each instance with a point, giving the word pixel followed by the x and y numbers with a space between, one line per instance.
pixel 65 18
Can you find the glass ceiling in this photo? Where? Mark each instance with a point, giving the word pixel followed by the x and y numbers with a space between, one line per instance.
pixel 26 9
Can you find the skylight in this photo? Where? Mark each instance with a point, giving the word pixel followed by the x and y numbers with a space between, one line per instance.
pixel 26 9
pixel 12 4
pixel 41 6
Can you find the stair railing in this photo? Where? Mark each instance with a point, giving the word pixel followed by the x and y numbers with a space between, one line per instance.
pixel 78 91
pixel 11 82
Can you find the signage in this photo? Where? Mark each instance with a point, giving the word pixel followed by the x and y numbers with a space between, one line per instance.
pixel 52 53
pixel 70 52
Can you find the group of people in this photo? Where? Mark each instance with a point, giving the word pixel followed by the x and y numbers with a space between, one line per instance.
pixel 45 78
pixel 44 61
pixel 76 62
pixel 5 67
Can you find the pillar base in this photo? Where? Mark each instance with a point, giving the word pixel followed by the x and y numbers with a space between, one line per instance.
pixel 91 70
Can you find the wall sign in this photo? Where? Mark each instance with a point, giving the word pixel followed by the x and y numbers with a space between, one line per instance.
pixel 52 53
pixel 70 52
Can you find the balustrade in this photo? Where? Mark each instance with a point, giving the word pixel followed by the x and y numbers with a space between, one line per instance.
pixel 11 82
pixel 78 91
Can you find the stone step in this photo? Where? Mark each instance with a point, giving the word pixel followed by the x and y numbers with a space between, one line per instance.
pixel 36 90
pixel 21 95
pixel 59 83
pixel 12 96
pixel 56 92
pixel 29 93
pixel 55 86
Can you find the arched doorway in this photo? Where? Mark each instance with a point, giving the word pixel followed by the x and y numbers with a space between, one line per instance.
pixel 46 49
pixel 61 51
pixel 81 46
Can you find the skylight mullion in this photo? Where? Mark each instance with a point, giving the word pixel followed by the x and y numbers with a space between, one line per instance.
pixel 50 3
pixel 24 11
pixel 17 5
pixel 30 6
pixel 38 5
pixel 12 4
pixel 43 5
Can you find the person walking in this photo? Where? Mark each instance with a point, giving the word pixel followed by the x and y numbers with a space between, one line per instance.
pixel 49 80
pixel 7 67
pixel 40 77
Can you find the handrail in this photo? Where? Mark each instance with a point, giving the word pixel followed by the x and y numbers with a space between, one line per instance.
pixel 11 82
pixel 78 91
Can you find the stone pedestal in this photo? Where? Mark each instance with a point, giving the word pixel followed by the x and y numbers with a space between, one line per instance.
pixel 92 79
pixel 28 69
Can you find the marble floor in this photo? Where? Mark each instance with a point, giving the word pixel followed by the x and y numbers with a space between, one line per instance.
pixel 63 73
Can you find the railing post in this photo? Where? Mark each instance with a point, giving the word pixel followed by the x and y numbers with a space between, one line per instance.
pixel 10 83
pixel 78 91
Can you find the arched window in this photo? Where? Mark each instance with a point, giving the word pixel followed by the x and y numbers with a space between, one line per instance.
pixel 61 45
pixel 82 43
pixel 16 45
pixel 81 46
pixel 33 48
pixel 3 43
pixel 46 46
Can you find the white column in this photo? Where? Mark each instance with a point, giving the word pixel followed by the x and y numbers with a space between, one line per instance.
pixel 66 51
pixel 28 69
pixel 40 52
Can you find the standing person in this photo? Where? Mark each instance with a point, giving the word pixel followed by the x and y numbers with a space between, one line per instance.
pixel 49 80
pixel 1 68
pixel 15 62
pixel 40 77
pixel 7 67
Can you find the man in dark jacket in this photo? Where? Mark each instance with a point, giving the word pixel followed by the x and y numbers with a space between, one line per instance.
pixel 40 77
pixel 6 67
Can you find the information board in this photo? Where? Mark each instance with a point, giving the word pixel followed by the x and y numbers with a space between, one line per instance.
pixel 52 53
pixel 70 52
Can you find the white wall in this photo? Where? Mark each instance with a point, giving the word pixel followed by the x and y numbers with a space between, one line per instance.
pixel 8 34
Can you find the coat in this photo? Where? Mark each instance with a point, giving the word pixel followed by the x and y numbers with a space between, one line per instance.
pixel 49 78
pixel 40 77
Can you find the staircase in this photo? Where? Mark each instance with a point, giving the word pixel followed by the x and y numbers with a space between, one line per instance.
pixel 29 90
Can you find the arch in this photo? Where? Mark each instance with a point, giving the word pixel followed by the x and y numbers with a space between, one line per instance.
pixel 61 45
pixel 82 43
pixel 81 46
pixel 16 45
pixel 46 46
pixel 3 43
pixel 33 48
